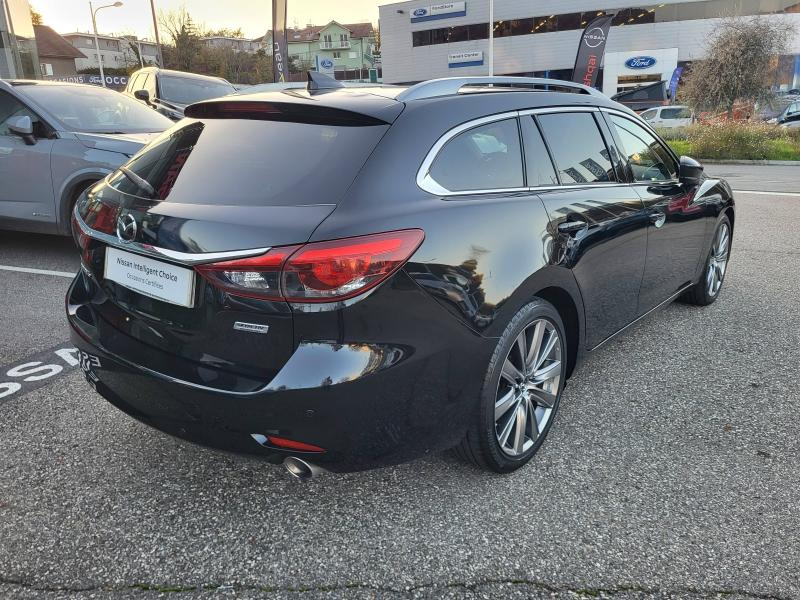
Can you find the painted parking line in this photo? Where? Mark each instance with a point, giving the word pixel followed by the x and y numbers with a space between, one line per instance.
pixel 794 194
pixel 27 374
pixel 37 271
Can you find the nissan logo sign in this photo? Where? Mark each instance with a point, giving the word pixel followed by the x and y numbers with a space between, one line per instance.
pixel 420 12
pixel 127 228
pixel 640 62
pixel 594 37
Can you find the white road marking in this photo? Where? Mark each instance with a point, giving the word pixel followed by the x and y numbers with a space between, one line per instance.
pixel 795 194
pixel 37 271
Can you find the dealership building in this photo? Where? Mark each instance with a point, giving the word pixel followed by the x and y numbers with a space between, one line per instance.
pixel 647 42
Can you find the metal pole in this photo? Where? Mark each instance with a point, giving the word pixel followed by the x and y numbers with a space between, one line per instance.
pixel 491 38
pixel 97 46
pixel 155 28
pixel 141 60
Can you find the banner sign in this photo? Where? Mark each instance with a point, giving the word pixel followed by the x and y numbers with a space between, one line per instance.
pixel 465 59
pixel 590 50
pixel 674 81
pixel 280 47
pixel 112 81
pixel 447 10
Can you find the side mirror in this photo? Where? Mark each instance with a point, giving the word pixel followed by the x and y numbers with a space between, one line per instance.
pixel 23 127
pixel 142 95
pixel 691 171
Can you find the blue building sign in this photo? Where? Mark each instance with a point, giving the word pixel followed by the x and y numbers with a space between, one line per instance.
pixel 448 10
pixel 640 62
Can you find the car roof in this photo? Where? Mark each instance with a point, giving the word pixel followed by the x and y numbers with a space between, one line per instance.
pixel 182 74
pixel 467 97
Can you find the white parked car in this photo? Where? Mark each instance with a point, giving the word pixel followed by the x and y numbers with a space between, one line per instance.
pixel 668 117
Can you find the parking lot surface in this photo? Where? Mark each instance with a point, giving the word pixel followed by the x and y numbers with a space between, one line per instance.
pixel 671 470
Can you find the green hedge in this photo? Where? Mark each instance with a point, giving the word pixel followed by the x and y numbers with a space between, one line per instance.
pixel 737 140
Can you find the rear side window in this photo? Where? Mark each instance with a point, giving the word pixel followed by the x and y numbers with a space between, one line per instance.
pixel 647 157
pixel 674 113
pixel 251 163
pixel 578 148
pixel 538 166
pixel 487 157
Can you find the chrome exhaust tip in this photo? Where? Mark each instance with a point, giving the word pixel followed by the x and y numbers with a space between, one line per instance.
pixel 301 469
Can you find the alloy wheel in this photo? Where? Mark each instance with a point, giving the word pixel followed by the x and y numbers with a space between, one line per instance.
pixel 528 388
pixel 718 261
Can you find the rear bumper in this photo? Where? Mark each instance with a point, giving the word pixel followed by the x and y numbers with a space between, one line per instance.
pixel 368 403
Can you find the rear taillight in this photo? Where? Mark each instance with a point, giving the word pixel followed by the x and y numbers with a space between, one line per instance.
pixel 257 277
pixel 317 272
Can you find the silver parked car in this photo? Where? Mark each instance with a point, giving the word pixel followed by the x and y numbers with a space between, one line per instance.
pixel 56 140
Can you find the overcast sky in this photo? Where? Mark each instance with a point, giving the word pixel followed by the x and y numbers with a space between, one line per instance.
pixel 253 16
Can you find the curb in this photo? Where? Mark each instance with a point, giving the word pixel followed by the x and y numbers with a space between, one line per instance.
pixel 716 161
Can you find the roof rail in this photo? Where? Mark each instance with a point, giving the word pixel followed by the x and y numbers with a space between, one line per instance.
pixel 449 86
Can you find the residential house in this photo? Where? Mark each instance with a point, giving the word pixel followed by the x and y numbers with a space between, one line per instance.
pixel 351 46
pixel 235 43
pixel 115 52
pixel 56 55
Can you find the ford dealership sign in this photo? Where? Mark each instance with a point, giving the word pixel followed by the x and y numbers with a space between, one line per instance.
pixel 447 10
pixel 640 62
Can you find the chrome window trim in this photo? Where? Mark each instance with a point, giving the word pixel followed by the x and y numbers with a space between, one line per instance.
pixel 427 183
pixel 186 258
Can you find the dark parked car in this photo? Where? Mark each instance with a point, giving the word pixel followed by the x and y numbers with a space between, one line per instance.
pixel 56 140
pixel 356 277
pixel 170 92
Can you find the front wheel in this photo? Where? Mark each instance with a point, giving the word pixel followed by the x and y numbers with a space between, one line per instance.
pixel 521 391
pixel 706 291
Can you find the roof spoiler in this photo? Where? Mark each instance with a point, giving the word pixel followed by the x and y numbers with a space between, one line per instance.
pixel 318 81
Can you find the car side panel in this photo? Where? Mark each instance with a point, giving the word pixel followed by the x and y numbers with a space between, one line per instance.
pixel 74 165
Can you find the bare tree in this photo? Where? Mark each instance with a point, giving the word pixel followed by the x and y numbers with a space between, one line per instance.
pixel 183 37
pixel 739 57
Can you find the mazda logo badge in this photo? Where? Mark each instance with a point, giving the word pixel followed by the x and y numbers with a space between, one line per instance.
pixel 127 228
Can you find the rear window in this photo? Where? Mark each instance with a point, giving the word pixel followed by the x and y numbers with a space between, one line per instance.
pixel 185 90
pixel 250 163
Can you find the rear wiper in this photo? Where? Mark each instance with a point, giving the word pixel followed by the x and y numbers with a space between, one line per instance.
pixel 142 184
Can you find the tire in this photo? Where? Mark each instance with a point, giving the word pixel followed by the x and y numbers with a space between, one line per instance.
pixel 533 399
pixel 706 291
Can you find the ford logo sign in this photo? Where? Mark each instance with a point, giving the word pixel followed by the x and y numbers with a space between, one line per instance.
pixel 640 62
pixel 420 12
pixel 326 63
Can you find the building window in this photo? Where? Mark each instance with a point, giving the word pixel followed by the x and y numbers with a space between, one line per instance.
pixel 47 69
pixel 636 15
pixel 337 55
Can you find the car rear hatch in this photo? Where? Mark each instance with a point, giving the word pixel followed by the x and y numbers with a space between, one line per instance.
pixel 232 181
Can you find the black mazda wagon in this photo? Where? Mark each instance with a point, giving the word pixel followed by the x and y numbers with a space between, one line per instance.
pixel 346 278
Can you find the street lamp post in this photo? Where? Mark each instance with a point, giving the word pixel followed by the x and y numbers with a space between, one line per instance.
pixel 491 38
pixel 96 40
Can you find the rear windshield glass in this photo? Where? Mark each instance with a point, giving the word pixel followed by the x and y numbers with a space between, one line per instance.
pixel 185 90
pixel 249 163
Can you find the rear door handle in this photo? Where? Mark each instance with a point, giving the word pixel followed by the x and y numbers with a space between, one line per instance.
pixel 572 227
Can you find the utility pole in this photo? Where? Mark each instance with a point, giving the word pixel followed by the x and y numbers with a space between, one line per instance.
pixel 491 38
pixel 155 29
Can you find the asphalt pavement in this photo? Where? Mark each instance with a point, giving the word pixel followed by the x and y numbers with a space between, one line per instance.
pixel 671 470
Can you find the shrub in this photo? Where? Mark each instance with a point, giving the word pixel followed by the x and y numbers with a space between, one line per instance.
pixel 739 140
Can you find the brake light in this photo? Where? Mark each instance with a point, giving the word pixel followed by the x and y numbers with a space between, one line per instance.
pixel 317 272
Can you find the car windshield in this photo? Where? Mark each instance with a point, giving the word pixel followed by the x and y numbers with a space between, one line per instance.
pixel 186 90
pixel 93 109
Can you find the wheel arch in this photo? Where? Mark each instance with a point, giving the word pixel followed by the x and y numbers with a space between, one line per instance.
pixel 70 188
pixel 568 311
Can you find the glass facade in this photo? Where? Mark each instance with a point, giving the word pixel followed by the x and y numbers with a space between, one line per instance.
pixel 19 58
pixel 635 15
